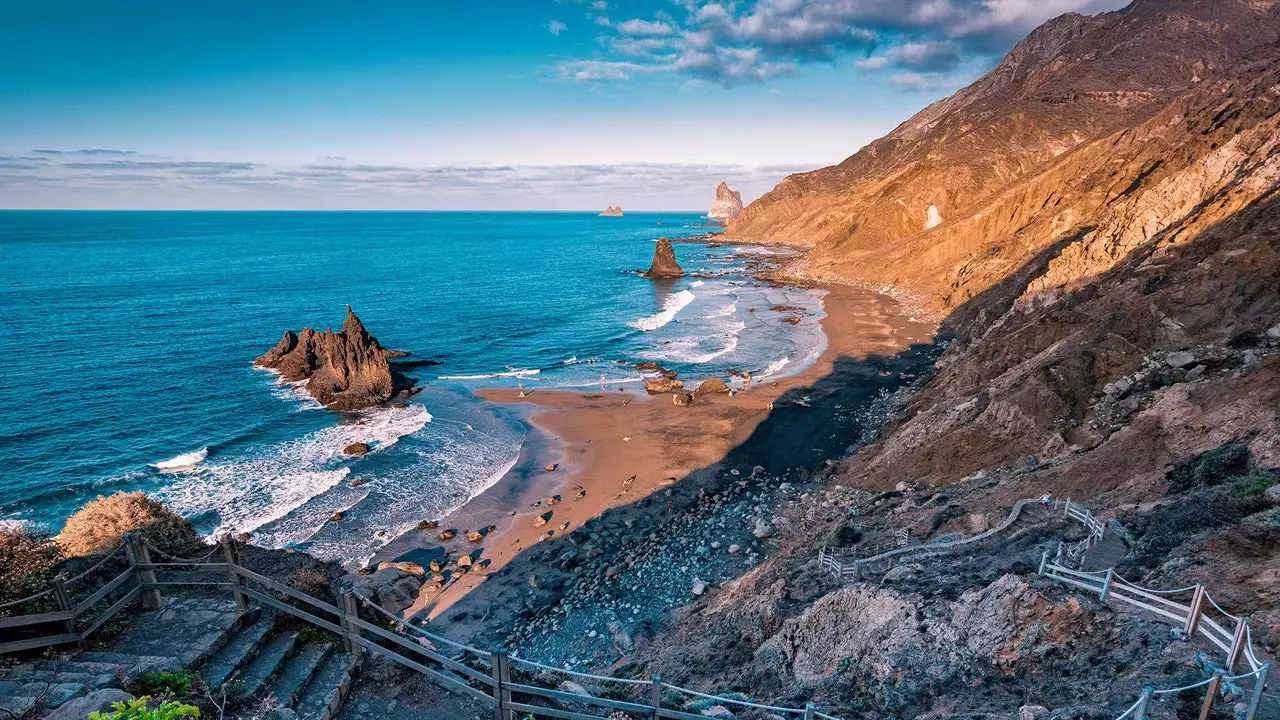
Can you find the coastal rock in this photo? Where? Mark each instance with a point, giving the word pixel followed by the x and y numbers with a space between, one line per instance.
pixel 682 399
pixel 346 370
pixel 356 449
pixel 96 701
pixel 612 211
pixel 448 535
pixel 664 263
pixel 475 536
pixel 711 386
pixel 664 384
pixel 542 519
pixel 728 203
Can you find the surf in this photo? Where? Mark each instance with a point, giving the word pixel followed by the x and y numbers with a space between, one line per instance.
pixel 670 308
pixel 185 461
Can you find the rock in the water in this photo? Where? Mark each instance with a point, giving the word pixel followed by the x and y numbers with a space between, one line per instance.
pixel 711 386
pixel 612 211
pixel 346 370
pixel 664 263
pixel 356 449
pixel 728 203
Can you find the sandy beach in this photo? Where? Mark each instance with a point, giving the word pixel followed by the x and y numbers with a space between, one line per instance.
pixel 589 452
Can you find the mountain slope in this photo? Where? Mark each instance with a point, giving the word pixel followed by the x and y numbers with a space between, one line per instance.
pixel 1067 133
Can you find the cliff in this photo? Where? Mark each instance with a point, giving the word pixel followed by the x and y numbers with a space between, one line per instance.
pixel 1076 143
pixel 664 263
pixel 728 203
pixel 346 370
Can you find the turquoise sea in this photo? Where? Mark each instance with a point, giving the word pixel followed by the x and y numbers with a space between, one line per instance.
pixel 129 338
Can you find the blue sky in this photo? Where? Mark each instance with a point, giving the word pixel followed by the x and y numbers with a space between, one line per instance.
pixel 524 104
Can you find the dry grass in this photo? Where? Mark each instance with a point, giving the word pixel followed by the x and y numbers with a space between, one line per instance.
pixel 29 559
pixel 99 525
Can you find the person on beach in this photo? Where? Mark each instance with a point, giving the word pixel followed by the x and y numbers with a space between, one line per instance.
pixel 601 382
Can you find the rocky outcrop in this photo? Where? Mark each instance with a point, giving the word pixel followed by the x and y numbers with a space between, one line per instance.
pixel 612 211
pixel 728 204
pixel 664 263
pixel 1095 134
pixel 346 370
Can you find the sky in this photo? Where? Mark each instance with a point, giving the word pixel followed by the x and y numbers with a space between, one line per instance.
pixel 467 104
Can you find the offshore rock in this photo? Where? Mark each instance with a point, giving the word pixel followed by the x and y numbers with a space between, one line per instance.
pixel 612 211
pixel 664 263
pixel 728 203
pixel 346 370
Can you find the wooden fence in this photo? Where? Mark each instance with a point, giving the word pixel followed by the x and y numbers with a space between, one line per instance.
pixel 1200 616
pixel 507 684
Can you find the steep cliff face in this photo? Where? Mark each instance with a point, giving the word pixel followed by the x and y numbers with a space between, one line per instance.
pixel 1093 131
pixel 728 203
pixel 346 370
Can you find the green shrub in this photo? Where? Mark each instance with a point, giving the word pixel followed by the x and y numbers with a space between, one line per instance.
pixel 1209 468
pixel 137 709
pixel 163 683
pixel 312 635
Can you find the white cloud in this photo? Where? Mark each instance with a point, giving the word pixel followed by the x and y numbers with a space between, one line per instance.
pixel 651 28
pixel 555 27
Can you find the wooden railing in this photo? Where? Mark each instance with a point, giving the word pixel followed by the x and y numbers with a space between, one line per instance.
pixel 507 684
pixel 1229 633
pixel 832 560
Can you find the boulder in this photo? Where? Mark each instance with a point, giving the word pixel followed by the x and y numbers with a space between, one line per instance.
pixel 572 687
pixel 717 711
pixel 699 587
pixel 664 263
pixel 447 535
pixel 728 203
pixel 682 399
pixel 1179 359
pixel 428 525
pixel 663 384
pixel 346 370
pixel 96 701
pixel 1033 712
pixel 404 566
pixel 711 386
pixel 762 529
pixel 542 519
pixel 356 449
pixel 475 536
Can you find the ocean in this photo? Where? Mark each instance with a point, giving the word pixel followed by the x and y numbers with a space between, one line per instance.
pixel 130 336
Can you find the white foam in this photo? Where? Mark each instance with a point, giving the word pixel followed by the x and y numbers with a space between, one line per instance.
pixel 248 492
pixel 513 373
pixel 691 350
pixel 773 369
pixel 670 308
pixel 183 462
pixel 696 283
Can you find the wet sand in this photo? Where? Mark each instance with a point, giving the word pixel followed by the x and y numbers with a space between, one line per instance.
pixel 614 448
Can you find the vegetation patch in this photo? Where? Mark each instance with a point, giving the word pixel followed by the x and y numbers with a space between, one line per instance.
pixel 100 525
pixel 168 684
pixel 1209 468
pixel 137 709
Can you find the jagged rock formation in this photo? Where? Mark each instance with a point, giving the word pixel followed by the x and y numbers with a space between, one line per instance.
pixel 664 263
pixel 612 211
pixel 346 370
pixel 728 204
pixel 1092 136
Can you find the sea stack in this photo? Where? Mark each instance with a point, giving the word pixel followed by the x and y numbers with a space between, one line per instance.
pixel 728 204
pixel 346 370
pixel 612 211
pixel 664 263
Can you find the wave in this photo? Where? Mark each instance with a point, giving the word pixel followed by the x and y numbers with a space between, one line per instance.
pixel 512 373
pixel 185 461
pixel 690 350
pixel 696 283
pixel 252 490
pixel 773 368
pixel 670 308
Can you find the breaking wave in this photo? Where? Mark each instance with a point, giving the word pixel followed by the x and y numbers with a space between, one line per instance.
pixel 510 373
pixel 670 308
pixel 185 461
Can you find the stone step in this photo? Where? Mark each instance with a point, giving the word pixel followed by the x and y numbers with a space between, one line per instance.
pixel 51 694
pixel 202 625
pixel 324 695
pixel 252 680
pixel 239 649
pixel 17 705
pixel 133 667
pixel 58 675
pixel 297 672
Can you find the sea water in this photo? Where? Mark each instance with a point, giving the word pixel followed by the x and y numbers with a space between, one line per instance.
pixel 129 339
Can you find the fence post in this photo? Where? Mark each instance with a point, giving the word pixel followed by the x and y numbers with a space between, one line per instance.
pixel 1209 696
pixel 1258 686
pixel 1044 560
pixel 501 669
pixel 229 556
pixel 1140 712
pixel 1066 508
pixel 655 695
pixel 1106 584
pixel 1238 640
pixel 136 549
pixel 809 710
pixel 1193 617
pixel 351 611
pixel 64 602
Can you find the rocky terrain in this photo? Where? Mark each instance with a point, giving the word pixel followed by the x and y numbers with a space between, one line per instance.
pixel 346 370
pixel 612 211
pixel 1095 223
pixel 664 263
pixel 728 204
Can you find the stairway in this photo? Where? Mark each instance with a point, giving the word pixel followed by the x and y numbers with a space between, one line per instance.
pixel 1106 553
pixel 250 654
